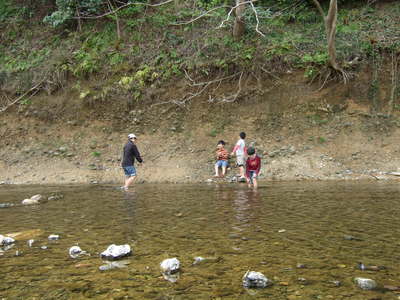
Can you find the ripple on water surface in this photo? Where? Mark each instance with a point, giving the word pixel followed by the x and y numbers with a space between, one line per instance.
pixel 297 234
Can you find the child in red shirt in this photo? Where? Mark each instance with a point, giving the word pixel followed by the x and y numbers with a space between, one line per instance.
pixel 222 159
pixel 253 166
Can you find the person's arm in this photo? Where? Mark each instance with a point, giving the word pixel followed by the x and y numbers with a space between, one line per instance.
pixel 247 169
pixel 137 154
pixel 235 148
pixel 258 165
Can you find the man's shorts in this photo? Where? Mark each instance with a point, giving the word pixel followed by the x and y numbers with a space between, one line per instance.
pixel 240 160
pixel 221 163
pixel 129 171
pixel 252 176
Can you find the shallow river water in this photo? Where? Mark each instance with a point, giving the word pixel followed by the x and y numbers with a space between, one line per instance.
pixel 273 230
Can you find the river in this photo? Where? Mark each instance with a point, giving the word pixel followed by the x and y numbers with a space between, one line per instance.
pixel 301 235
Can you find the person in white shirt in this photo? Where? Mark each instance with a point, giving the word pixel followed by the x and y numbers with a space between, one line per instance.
pixel 240 151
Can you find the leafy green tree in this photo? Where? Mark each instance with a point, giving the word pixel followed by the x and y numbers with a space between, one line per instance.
pixel 68 10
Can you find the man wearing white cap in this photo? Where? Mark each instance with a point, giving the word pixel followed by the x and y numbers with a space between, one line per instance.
pixel 130 153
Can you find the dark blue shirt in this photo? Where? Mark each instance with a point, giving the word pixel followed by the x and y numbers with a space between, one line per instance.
pixel 130 153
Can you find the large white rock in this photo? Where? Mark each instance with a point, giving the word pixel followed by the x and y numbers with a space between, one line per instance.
pixel 170 265
pixel 35 199
pixel 76 251
pixel 365 283
pixel 255 280
pixel 29 202
pixel 6 240
pixel 53 237
pixel 116 252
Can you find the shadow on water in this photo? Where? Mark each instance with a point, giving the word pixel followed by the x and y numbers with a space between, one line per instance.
pixel 273 230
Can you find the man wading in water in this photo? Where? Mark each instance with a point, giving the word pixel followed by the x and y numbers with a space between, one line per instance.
pixel 130 153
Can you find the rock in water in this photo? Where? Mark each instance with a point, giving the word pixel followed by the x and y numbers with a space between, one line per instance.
pixel 76 251
pixel 29 202
pixel 37 197
pixel 198 259
pixel 365 283
pixel 30 242
pixel 53 237
pixel 6 205
pixel 32 200
pixel 6 240
pixel 170 265
pixel 114 252
pixel 255 280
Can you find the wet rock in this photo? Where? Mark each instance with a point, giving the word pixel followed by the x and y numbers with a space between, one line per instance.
pixel 255 280
pixel 32 200
pixel 351 238
pixel 55 197
pixel 6 205
pixel 198 259
pixel 29 202
pixel 82 265
pixel 30 242
pixel 170 265
pixel 114 252
pixel 6 240
pixel 303 281
pixel 365 283
pixel 114 265
pixel 53 237
pixel 44 247
pixel 335 283
pixel 301 266
pixel 363 267
pixel 62 149
pixel 76 251
pixel 392 288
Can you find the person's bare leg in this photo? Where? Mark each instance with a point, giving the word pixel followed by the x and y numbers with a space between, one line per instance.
pixel 241 171
pixel 255 183
pixel 216 171
pixel 223 171
pixel 129 181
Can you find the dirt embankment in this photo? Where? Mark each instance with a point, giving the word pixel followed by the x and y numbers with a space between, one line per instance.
pixel 300 132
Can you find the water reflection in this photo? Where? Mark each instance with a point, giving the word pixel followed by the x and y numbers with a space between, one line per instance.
pixel 236 228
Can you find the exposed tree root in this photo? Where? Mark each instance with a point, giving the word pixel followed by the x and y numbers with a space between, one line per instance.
pixel 329 74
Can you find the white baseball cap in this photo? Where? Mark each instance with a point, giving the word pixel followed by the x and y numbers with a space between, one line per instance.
pixel 131 136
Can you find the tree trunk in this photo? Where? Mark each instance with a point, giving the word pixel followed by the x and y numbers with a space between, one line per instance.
pixel 330 25
pixel 239 26
pixel 330 30
pixel 111 7
pixel 394 74
pixel 79 19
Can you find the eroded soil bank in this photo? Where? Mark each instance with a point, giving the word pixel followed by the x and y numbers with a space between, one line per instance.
pixel 301 132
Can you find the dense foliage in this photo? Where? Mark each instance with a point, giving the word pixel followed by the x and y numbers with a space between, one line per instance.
pixel 160 43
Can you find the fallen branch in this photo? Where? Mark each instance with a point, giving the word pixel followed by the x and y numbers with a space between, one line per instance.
pixel 199 17
pixel 207 82
pixel 258 21
pixel 205 85
pixel 22 96
pixel 231 98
